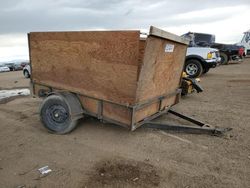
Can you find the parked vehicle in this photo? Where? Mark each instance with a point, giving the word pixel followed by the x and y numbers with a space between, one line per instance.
pixel 246 43
pixel 4 68
pixel 227 51
pixel 26 71
pixel 10 65
pixel 199 59
pixel 18 67
pixel 23 64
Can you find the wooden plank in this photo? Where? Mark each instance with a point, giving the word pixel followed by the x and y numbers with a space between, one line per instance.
pixel 161 71
pixel 88 104
pixel 98 64
pixel 154 108
pixel 146 112
pixel 168 102
pixel 117 113
pixel 142 46
pixel 167 35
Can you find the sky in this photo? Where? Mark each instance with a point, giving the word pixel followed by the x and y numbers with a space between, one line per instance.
pixel 227 19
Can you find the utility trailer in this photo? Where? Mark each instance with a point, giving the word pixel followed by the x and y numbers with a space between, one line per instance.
pixel 115 76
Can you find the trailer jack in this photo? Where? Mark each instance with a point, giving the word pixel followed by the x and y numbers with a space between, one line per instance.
pixel 200 128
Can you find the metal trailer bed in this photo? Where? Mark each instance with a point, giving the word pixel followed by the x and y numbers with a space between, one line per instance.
pixel 115 76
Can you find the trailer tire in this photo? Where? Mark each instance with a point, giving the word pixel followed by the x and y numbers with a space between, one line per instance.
pixel 193 68
pixel 224 58
pixel 56 114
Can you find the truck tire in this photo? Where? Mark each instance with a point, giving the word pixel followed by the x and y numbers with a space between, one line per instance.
pixel 26 74
pixel 224 58
pixel 56 116
pixel 206 70
pixel 193 68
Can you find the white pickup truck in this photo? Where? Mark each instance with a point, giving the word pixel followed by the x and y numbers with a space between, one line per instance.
pixel 26 71
pixel 200 59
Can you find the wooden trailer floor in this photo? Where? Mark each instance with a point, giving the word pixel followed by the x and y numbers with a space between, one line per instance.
pixel 98 155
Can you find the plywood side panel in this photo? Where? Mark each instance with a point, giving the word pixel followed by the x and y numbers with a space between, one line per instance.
pixel 146 112
pixel 153 108
pixel 117 113
pixel 161 70
pixel 98 64
pixel 168 102
pixel 142 46
pixel 88 104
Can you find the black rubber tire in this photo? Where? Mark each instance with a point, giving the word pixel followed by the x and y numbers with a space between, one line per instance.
pixel 206 70
pixel 224 58
pixel 195 63
pixel 26 74
pixel 60 124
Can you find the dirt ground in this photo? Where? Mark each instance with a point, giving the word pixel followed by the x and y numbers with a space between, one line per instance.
pixel 13 79
pixel 104 155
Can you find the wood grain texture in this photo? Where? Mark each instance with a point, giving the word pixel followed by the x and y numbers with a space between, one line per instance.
pixel 146 111
pixel 117 113
pixel 142 46
pixel 168 102
pixel 88 104
pixel 169 36
pixel 99 64
pixel 160 74
pixel 161 71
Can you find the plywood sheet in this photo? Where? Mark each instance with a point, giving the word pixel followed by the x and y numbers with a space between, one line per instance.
pixel 161 70
pixel 168 102
pixel 98 64
pixel 146 111
pixel 142 46
pixel 117 113
pixel 88 104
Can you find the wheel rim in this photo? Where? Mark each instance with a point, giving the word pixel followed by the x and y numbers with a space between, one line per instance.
pixel 57 114
pixel 191 69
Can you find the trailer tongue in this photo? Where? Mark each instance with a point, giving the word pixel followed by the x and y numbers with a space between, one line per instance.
pixel 200 128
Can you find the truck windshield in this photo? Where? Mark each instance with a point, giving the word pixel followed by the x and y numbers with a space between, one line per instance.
pixel 204 39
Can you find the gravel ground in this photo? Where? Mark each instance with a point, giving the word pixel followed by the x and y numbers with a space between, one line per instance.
pixel 104 155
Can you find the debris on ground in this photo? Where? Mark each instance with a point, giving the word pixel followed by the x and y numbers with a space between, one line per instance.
pixel 45 170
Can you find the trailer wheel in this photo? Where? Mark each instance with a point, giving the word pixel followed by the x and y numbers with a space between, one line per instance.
pixel 56 114
pixel 224 58
pixel 193 68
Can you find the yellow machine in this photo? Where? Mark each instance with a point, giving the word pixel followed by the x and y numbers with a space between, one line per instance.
pixel 189 85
